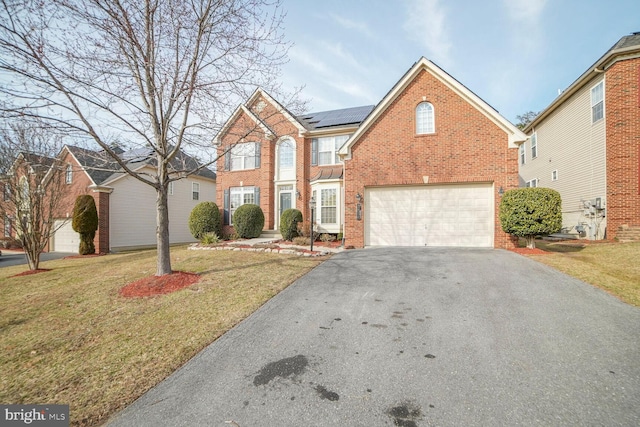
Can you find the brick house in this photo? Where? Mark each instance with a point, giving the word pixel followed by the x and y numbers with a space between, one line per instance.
pixel 424 167
pixel 586 145
pixel 126 207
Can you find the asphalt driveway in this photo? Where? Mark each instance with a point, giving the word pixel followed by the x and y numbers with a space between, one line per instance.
pixel 415 337
pixel 11 258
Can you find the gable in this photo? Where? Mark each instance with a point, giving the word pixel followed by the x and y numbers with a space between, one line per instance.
pixel 257 115
pixel 513 134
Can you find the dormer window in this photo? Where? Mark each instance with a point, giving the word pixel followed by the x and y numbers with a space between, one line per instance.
pixel 425 122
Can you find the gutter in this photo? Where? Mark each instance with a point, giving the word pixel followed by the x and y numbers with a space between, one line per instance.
pixel 600 67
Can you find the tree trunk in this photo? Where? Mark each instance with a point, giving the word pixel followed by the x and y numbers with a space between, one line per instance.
pixel 33 259
pixel 163 263
pixel 531 241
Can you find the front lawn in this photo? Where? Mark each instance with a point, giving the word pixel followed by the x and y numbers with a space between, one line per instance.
pixel 68 337
pixel 614 267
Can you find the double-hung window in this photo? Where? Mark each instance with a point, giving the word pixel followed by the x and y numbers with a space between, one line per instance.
pixel 534 146
pixel 597 102
pixel 195 191
pixel 241 196
pixel 532 183
pixel 328 206
pixel 325 150
pixel 69 174
pixel 425 122
pixel 7 227
pixel 243 156
pixel 522 153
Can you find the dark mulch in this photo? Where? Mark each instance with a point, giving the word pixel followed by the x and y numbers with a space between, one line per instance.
pixel 158 285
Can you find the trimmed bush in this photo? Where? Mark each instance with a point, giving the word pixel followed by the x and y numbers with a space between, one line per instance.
pixel 205 218
pixel 289 223
pixel 85 223
pixel 248 221
pixel 531 212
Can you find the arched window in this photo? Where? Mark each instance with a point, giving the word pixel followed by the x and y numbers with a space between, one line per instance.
pixel 286 154
pixel 425 122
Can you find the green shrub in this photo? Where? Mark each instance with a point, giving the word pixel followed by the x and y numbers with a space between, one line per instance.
pixel 289 223
pixel 248 221
pixel 205 218
pixel 531 212
pixel 209 238
pixel 85 223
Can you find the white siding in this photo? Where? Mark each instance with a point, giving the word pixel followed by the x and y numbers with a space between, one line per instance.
pixel 569 143
pixel 132 212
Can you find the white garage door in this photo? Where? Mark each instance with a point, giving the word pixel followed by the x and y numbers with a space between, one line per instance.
pixel 430 215
pixel 65 239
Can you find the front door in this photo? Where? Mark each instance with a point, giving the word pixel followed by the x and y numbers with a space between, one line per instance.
pixel 285 201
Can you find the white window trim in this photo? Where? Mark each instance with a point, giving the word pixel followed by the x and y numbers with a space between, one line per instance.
pixel 195 191
pixel 239 191
pixel 243 157
pixel 534 145
pixel 170 188
pixel 68 177
pixel 522 154
pixel 601 83
pixel 335 139
pixel 554 175
pixel 7 227
pixel 316 188
pixel 533 183
pixel 425 124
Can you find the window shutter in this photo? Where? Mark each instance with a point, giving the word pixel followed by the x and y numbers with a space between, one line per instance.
pixel 314 152
pixel 256 195
pixel 226 201
pixel 258 146
pixel 227 160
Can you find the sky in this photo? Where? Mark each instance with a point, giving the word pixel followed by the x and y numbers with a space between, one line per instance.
pixel 514 54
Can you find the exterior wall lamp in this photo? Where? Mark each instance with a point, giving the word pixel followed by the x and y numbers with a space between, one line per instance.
pixel 501 191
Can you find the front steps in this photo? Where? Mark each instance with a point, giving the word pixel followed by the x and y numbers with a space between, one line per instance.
pixel 271 234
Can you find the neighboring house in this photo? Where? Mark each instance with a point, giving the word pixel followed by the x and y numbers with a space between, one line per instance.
pixel 586 145
pixel 126 206
pixel 425 167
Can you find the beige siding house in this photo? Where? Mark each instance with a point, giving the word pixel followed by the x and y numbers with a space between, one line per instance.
pixel 132 215
pixel 567 152
pixel 586 145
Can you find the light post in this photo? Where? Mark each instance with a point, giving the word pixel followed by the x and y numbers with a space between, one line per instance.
pixel 312 207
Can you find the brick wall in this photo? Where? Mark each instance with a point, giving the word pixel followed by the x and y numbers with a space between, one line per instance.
pixel 244 129
pixel 467 147
pixel 622 112
pixel 101 241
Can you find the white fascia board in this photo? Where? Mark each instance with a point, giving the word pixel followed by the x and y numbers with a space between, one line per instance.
pixel 259 92
pixel 239 110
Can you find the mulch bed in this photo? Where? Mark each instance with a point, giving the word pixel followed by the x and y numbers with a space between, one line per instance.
pixel 528 251
pixel 29 272
pixel 158 285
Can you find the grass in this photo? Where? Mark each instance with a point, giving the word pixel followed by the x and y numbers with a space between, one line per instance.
pixel 614 267
pixel 68 337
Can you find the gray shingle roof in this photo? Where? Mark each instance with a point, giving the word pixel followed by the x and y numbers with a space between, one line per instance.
pixel 343 117
pixel 101 167
pixel 628 41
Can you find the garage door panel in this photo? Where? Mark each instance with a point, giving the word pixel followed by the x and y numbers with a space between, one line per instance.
pixel 65 238
pixel 446 215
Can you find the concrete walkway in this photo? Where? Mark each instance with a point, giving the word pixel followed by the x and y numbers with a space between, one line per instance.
pixel 415 337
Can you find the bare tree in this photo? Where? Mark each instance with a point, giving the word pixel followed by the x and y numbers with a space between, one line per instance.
pixel 158 74
pixel 525 119
pixel 32 185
